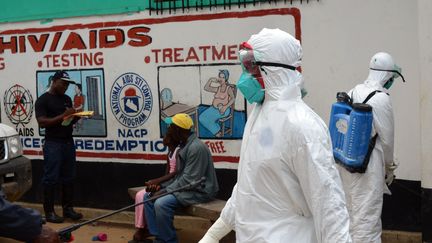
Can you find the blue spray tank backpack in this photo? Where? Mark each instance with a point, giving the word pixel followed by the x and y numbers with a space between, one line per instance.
pixel 350 130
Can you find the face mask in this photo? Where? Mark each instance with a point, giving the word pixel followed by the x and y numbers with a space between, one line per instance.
pixel 250 88
pixel 397 72
pixel 389 83
pixel 251 83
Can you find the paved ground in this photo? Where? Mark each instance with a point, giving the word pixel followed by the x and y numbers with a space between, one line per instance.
pixel 116 233
pixel 119 228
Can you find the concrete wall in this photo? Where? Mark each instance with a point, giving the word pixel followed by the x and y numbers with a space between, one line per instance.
pixel 340 37
pixel 425 54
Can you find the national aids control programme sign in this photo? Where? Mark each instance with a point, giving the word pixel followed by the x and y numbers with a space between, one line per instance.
pixel 131 100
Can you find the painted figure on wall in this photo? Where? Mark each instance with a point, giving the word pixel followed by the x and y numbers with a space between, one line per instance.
pixel 79 98
pixel 222 105
pixel 78 104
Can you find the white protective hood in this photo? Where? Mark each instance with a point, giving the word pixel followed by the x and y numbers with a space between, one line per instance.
pixel 277 79
pixel 288 188
pixel 377 79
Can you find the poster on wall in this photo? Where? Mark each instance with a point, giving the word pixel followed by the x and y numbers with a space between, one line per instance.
pixel 133 72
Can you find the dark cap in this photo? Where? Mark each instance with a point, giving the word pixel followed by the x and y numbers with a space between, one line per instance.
pixel 63 76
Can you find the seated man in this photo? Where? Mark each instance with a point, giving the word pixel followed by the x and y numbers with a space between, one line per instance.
pixel 194 162
pixel 23 224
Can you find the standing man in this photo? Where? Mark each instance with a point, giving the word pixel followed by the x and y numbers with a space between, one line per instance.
pixel 364 191
pixel 288 187
pixel 194 162
pixel 58 148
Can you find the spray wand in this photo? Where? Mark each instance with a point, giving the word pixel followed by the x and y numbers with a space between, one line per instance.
pixel 65 233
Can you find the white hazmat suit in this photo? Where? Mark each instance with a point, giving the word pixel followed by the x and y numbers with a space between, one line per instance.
pixel 364 192
pixel 288 187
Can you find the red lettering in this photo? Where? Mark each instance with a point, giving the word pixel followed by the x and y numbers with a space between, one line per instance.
pixel 156 54
pixel 216 55
pixel 220 147
pixel 65 60
pixel 213 147
pixel 74 59
pixel 192 55
pixel 2 63
pixel 204 49
pixel 92 39
pixel 138 38
pixel 74 41
pixel 22 46
pixel 216 147
pixel 56 59
pixel 55 41
pixel 111 38
pixel 98 57
pixel 167 54
pixel 47 60
pixel 177 53
pixel 104 38
pixel 74 56
pixel 232 52
pixel 12 45
pixel 38 45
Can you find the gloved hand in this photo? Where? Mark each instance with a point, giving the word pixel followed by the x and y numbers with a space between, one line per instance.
pixel 47 235
pixel 216 232
pixel 389 176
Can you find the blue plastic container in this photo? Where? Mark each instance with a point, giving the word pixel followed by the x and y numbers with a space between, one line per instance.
pixel 357 138
pixel 339 125
pixel 339 114
pixel 350 130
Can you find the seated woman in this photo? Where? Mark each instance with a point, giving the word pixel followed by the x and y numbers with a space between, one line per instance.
pixel 151 186
pixel 221 106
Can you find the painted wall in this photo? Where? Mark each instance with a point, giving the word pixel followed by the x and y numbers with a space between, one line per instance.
pixel 133 75
pixel 425 39
pixel 181 52
pixel 340 37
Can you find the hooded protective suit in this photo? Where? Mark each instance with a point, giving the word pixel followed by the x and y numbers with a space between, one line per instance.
pixel 288 187
pixel 364 192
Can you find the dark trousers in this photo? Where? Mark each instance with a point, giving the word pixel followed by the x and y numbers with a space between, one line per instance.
pixel 59 163
pixel 59 168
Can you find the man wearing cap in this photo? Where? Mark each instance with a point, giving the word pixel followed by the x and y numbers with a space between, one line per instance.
pixel 194 162
pixel 58 149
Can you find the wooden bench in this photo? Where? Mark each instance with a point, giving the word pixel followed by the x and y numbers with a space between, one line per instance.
pixel 210 210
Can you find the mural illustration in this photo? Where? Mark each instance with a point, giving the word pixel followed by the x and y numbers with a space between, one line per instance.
pixel 221 112
pixel 120 64
pixel 87 95
pixel 131 100
pixel 18 103
pixel 215 108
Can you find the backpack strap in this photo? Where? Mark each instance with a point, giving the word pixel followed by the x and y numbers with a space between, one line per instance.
pixel 371 95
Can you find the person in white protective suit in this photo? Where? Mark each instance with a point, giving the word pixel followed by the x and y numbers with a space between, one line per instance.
pixel 288 187
pixel 364 191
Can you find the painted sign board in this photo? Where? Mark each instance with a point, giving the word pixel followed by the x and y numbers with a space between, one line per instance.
pixel 133 73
